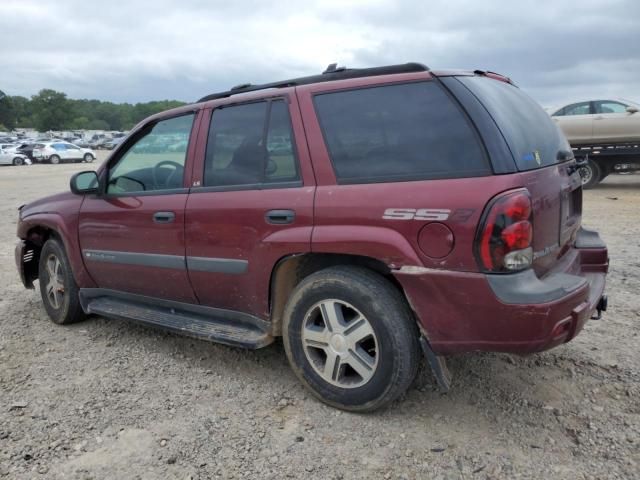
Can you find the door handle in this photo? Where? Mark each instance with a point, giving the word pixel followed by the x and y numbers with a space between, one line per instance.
pixel 598 118
pixel 164 217
pixel 280 217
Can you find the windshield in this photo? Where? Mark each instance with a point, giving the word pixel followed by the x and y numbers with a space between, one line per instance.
pixel 533 138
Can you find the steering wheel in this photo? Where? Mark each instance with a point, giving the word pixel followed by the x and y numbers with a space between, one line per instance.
pixel 156 169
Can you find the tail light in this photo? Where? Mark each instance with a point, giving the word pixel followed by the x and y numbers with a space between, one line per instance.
pixel 503 242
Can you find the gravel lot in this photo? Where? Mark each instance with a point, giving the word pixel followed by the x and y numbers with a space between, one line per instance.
pixel 108 399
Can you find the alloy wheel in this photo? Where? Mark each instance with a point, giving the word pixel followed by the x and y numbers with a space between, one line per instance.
pixel 55 285
pixel 340 344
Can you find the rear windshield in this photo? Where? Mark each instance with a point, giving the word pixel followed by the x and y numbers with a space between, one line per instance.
pixel 412 131
pixel 534 139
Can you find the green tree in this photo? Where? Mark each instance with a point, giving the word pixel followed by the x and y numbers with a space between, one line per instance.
pixel 7 115
pixel 22 112
pixel 79 123
pixel 97 124
pixel 51 110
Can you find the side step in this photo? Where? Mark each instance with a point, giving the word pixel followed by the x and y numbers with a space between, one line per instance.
pixel 232 328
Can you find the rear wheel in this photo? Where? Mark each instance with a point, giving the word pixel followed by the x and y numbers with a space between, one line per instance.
pixel 58 288
pixel 18 161
pixel 591 174
pixel 88 158
pixel 54 159
pixel 350 338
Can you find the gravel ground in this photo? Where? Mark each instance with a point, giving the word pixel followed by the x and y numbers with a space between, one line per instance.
pixel 108 399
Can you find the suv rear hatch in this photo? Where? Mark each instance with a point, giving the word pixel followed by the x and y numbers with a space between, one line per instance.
pixel 543 156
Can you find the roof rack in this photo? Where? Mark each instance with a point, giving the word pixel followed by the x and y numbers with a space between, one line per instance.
pixel 333 72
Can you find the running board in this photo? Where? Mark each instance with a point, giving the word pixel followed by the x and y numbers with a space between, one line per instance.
pixel 232 328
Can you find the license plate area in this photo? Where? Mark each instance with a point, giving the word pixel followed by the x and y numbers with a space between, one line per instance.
pixel 570 210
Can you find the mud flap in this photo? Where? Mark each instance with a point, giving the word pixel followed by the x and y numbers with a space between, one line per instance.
pixel 438 365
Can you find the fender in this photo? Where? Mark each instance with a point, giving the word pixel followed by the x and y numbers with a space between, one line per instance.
pixel 381 243
pixel 66 229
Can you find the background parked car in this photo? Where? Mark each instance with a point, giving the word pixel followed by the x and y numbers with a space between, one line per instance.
pixel 599 121
pixel 26 148
pixel 56 152
pixel 11 157
pixel 113 143
pixel 97 143
pixel 9 146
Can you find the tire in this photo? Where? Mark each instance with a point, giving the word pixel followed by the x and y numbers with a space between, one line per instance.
pixel 376 359
pixel 54 159
pixel 60 295
pixel 18 161
pixel 88 158
pixel 591 174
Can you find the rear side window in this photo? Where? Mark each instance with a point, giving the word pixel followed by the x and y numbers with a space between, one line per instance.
pixel 404 132
pixel 533 138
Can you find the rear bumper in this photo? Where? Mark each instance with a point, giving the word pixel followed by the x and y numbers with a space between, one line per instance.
pixel 517 313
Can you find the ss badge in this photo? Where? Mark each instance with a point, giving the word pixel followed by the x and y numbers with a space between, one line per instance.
pixel 416 214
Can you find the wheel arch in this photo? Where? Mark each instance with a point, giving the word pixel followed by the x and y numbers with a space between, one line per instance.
pixel 290 270
pixel 35 230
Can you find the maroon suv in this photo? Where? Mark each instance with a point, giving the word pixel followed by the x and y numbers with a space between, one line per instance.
pixel 364 215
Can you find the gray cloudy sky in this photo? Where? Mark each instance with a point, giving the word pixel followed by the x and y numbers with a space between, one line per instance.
pixel 157 49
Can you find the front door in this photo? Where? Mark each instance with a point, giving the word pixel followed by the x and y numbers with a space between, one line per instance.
pixel 132 234
pixel 253 204
pixel 576 121
pixel 72 152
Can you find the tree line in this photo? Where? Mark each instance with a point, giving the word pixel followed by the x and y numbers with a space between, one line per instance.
pixel 52 110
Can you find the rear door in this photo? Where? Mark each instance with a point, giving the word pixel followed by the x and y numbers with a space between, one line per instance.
pixel 132 235
pixel 251 203
pixel 72 152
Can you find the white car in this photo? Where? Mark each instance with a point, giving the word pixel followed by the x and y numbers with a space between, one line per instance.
pixel 11 157
pixel 58 151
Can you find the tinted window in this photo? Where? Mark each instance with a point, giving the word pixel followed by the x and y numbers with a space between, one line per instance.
pixel 155 161
pixel 250 144
pixel 608 106
pixel 398 132
pixel 533 138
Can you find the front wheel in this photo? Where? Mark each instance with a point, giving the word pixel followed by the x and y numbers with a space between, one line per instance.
pixel 58 288
pixel 351 339
pixel 18 161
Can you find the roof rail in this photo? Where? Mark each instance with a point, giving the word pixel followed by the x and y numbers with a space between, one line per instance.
pixel 333 72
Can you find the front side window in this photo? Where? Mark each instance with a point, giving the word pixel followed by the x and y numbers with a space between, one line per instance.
pixel 155 161
pixel 609 106
pixel 404 132
pixel 582 108
pixel 250 144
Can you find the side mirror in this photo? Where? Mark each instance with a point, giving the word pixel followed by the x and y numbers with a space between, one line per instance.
pixel 84 182
pixel 632 109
